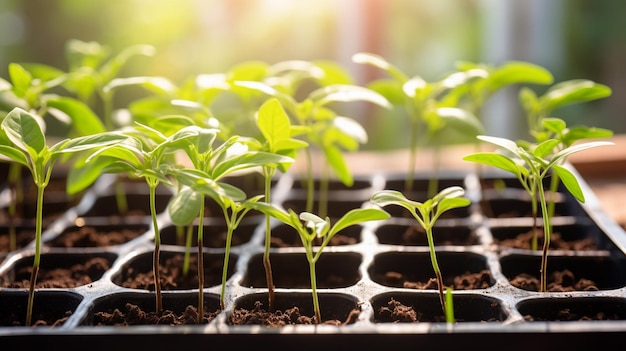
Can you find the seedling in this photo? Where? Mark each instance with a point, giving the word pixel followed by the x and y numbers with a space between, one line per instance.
pixel 531 164
pixel 210 166
pixel 543 126
pixel 148 154
pixel 324 129
pixel 427 214
pixel 28 147
pixel 310 226
pixel 431 111
pixel 277 133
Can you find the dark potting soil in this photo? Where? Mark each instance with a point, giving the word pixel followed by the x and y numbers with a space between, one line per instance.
pixel 260 316
pixel 524 241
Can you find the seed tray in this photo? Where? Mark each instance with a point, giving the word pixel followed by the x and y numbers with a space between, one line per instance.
pixel 349 274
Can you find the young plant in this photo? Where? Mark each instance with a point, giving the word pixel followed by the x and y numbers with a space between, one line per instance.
pixel 148 154
pixel 542 126
pixel 427 214
pixel 323 127
pixel 27 146
pixel 431 111
pixel 531 164
pixel 210 166
pixel 29 89
pixel 276 132
pixel 310 226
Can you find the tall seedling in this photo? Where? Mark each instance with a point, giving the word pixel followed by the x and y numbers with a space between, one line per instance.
pixel 27 146
pixel 148 154
pixel 276 130
pixel 324 128
pixel 531 164
pixel 427 214
pixel 432 113
pixel 211 165
pixel 310 226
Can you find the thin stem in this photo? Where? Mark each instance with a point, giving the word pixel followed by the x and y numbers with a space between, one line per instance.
pixel 229 236
pixel 433 261
pixel 188 239
pixel 152 184
pixel 201 260
pixel 547 230
pixel 268 237
pixel 37 258
pixel 316 303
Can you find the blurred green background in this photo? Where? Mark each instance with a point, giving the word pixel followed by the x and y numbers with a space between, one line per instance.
pixel 572 38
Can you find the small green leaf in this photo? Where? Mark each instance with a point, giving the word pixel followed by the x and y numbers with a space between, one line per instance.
pixel 184 207
pixel 84 120
pixel 495 160
pixel 274 123
pixel 24 131
pixel 356 216
pixel 570 182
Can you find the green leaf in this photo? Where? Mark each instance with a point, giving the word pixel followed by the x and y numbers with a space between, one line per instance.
pixel 158 85
pixel 570 181
pixel 14 155
pixel 514 72
pixel 380 62
pixel 274 123
pixel 495 160
pixel 247 160
pixel 449 203
pixel 20 78
pixel 356 216
pixel 504 143
pixel 563 154
pixel 83 174
pixel 184 207
pixel 347 93
pixel 24 131
pixel 84 120
pixel 89 142
pixel 545 148
pixel 574 91
pixel 337 162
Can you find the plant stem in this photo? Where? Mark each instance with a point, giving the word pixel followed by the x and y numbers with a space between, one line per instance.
pixel 230 224
pixel 188 238
pixel 268 237
pixel 37 258
pixel 152 184
pixel 316 303
pixel 433 261
pixel 201 260
pixel 547 230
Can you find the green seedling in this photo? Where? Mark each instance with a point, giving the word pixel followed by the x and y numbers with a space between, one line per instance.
pixel 531 164
pixel 26 145
pixel 30 89
pixel 322 127
pixel 310 226
pixel 148 154
pixel 543 126
pixel 432 108
pixel 277 133
pixel 210 166
pixel 427 214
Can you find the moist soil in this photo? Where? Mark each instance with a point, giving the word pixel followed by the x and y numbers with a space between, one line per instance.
pixel 524 241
